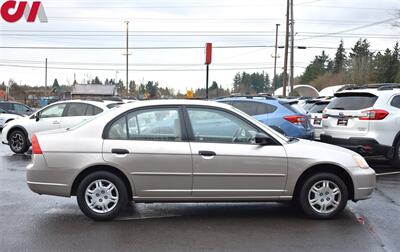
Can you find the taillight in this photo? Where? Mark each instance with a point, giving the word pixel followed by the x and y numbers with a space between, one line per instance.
pixel 374 114
pixel 295 119
pixel 35 146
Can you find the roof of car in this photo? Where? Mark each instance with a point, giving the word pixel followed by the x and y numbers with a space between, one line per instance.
pixel 95 103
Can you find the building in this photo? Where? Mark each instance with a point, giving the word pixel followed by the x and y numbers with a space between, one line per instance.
pixel 85 91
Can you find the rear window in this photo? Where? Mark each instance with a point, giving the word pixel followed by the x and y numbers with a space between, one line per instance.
pixel 254 108
pixel 318 107
pixel 352 101
pixel 113 105
pixel 293 107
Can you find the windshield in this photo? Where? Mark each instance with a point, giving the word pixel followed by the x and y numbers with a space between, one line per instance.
pixel 352 101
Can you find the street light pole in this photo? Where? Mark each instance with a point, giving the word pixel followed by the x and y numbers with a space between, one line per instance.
pixel 285 65
pixel 127 56
pixel 45 78
pixel 275 57
pixel 291 46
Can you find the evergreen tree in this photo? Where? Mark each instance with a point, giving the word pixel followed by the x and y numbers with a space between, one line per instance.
pixel 319 66
pixel 340 61
pixel 361 62
pixel 55 84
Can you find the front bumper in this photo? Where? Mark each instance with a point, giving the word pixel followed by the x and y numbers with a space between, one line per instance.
pixel 363 146
pixel 364 181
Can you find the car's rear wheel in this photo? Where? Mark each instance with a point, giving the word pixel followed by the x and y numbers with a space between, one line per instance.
pixel 18 141
pixel 323 196
pixel 396 156
pixel 102 195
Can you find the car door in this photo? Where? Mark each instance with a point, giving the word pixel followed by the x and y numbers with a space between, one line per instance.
pixel 75 113
pixel 151 145
pixel 226 160
pixel 47 119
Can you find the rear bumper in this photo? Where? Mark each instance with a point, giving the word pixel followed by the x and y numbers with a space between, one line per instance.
pixel 363 146
pixel 42 180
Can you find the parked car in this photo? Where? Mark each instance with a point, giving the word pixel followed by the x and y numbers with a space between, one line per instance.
pixel 280 115
pixel 316 117
pixel 63 114
pixel 365 119
pixel 16 108
pixel 192 151
pixel 6 117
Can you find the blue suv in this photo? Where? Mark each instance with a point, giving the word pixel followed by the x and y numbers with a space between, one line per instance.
pixel 278 114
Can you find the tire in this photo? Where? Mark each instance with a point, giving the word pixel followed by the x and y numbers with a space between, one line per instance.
pixel 314 190
pixel 107 204
pixel 396 156
pixel 18 141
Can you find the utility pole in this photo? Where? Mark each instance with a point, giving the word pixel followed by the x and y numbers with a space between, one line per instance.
pixel 127 56
pixel 45 78
pixel 285 65
pixel 275 57
pixel 291 46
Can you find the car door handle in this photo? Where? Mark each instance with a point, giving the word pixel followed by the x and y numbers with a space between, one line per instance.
pixel 120 151
pixel 207 153
pixel 56 122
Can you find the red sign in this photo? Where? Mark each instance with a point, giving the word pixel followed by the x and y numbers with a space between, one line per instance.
pixel 11 13
pixel 208 53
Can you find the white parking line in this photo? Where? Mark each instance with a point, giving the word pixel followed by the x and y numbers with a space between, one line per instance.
pixel 387 173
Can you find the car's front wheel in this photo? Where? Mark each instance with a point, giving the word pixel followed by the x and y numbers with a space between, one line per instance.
pixel 101 195
pixel 18 141
pixel 323 196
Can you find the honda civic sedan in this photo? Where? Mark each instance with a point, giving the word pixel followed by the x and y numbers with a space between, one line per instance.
pixel 192 151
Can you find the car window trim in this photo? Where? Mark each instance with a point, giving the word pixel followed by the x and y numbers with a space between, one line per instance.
pixel 192 138
pixel 184 132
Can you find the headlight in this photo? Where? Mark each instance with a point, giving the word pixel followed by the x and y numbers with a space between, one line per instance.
pixel 361 162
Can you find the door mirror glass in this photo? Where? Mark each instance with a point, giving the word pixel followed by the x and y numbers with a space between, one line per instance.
pixel 263 139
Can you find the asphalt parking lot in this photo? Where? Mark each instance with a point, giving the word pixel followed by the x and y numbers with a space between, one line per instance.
pixel 31 222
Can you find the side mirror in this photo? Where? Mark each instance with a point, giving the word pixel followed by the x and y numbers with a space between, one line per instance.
pixel 263 139
pixel 37 117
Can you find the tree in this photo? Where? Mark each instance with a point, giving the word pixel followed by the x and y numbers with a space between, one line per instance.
pixel 152 89
pixel 132 87
pixel 361 62
pixel 96 81
pixel 55 84
pixel 340 61
pixel 319 66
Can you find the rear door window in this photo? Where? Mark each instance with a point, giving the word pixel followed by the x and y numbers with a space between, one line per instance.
pixel 352 101
pixel 395 102
pixel 93 110
pixel 254 108
pixel 76 109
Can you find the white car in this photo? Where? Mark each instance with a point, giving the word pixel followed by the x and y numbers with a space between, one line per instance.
pixel 366 120
pixel 6 117
pixel 315 113
pixel 58 115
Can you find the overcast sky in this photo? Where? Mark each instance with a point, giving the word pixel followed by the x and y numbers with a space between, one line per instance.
pixel 183 23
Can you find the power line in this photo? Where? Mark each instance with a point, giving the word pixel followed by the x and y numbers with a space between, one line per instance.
pixel 352 29
pixel 139 70
pixel 133 48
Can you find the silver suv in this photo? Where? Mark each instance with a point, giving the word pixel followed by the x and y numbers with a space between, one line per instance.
pixel 192 151
pixel 366 120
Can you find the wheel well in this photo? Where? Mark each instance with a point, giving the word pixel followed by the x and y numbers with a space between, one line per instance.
pixel 107 168
pixel 9 120
pixel 337 170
